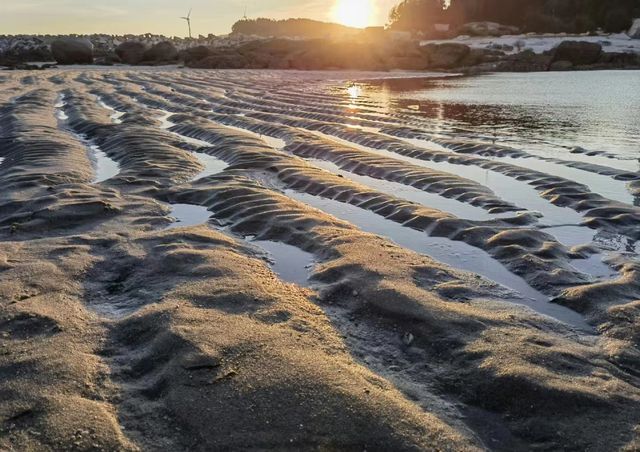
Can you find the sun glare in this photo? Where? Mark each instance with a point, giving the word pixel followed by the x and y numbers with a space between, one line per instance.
pixel 354 13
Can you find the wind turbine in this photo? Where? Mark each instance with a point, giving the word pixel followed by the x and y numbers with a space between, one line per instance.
pixel 188 19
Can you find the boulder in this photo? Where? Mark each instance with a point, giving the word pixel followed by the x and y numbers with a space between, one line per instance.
pixel 72 51
pixel 487 29
pixel 620 60
pixel 230 60
pixel 108 60
pixel 446 56
pixel 481 56
pixel 162 52
pixel 634 31
pixel 526 61
pixel 131 52
pixel 561 65
pixel 579 53
pixel 193 54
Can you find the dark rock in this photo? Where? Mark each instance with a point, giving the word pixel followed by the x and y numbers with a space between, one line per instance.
pixel 72 51
pixel 618 60
pixel 131 52
pixel 527 61
pixel 221 61
pixel 578 52
pixel 561 65
pixel 31 67
pixel 194 54
pixel 446 56
pixel 162 52
pixel 108 60
pixel 481 56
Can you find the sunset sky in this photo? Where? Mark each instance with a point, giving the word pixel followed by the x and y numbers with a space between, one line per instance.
pixel 162 16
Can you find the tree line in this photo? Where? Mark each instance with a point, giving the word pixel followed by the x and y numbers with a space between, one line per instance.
pixel 530 15
pixel 304 28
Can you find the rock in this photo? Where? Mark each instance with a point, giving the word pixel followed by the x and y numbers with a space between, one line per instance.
pixel 487 29
pixel 131 52
pixel 108 60
pixel 619 60
pixel 481 56
pixel 72 51
pixel 446 56
pixel 162 52
pixel 561 65
pixel 228 60
pixel 527 61
pixel 194 54
pixel 579 53
pixel 634 31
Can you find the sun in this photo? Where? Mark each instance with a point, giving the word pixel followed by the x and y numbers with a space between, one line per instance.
pixel 354 13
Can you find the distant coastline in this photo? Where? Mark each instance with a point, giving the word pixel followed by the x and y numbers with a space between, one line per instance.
pixel 364 50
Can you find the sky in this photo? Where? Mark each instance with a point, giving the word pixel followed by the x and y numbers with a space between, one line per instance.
pixel 162 16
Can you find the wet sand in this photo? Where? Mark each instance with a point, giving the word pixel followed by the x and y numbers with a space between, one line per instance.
pixel 204 260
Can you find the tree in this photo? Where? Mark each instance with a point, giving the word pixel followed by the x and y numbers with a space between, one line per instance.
pixel 530 15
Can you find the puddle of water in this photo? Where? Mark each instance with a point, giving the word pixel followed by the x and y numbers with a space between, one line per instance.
pixel 105 168
pixel 59 106
pixel 291 264
pixel 188 215
pixel 60 114
pixel 603 185
pixel 431 200
pixel 211 164
pixel 166 125
pixel 595 267
pixel 164 120
pixel 115 117
pixel 456 254
pixel 572 235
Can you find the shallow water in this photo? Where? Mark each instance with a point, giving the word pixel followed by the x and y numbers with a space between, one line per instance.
pixel 291 264
pixel 595 110
pixel 188 215
pixel 115 117
pixel 212 165
pixel 457 254
pixel 105 168
pixel 606 186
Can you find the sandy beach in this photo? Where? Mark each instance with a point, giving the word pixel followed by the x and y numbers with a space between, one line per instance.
pixel 233 260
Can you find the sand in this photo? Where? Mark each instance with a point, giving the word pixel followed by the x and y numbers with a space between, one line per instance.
pixel 122 329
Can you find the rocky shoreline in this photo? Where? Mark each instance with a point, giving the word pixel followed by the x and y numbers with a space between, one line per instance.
pixel 245 52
